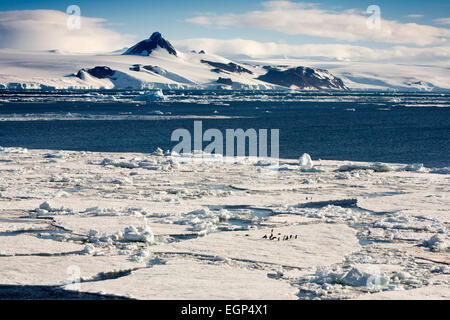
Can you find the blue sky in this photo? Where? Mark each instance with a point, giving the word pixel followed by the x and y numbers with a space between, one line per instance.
pixel 325 28
pixel 141 17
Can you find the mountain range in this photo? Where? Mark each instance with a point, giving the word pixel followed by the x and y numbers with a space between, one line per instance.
pixel 155 63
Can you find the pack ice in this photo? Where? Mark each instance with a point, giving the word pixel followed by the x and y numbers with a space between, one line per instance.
pixel 153 226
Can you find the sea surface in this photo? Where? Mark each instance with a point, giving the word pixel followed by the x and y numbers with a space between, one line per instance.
pixel 399 127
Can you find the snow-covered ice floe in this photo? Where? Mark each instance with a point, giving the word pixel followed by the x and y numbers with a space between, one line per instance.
pixel 156 226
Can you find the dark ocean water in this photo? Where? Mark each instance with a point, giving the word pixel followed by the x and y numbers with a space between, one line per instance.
pixel 400 127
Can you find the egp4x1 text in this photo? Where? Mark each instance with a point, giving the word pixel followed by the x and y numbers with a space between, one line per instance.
pixel 241 309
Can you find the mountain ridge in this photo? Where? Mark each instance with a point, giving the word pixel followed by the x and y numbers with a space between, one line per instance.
pixel 154 63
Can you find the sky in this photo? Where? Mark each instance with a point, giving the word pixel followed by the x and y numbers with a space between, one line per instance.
pixel 416 31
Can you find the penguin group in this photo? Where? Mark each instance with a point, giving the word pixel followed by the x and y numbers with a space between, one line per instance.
pixel 279 237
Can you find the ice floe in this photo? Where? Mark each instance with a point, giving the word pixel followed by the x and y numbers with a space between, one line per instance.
pixel 181 278
pixel 344 232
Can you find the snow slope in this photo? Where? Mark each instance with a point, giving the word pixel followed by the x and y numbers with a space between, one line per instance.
pixel 41 70
pixel 155 64
pixel 151 64
pixel 377 75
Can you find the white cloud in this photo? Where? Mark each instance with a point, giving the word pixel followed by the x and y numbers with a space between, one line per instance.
pixel 307 19
pixel 415 16
pixel 443 21
pixel 255 49
pixel 47 30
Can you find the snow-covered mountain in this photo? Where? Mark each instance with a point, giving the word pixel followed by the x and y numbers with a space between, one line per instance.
pixel 150 64
pixel 155 63
pixel 146 47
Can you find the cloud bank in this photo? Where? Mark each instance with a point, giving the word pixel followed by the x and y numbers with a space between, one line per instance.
pixel 47 30
pixel 343 52
pixel 307 19
pixel 443 21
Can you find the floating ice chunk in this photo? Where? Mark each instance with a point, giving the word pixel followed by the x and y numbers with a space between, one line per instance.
pixel 354 278
pixel 400 276
pixel 441 269
pixel 106 161
pixel 342 176
pixel 445 170
pixel 89 249
pixel 139 234
pixel 122 181
pixel 328 275
pixel 438 243
pixel 59 179
pixel 141 256
pixel 377 167
pixel 330 212
pixel 224 215
pixel 148 164
pixel 204 227
pixel 204 221
pixel 127 211
pixel 126 165
pixel 57 155
pixel 305 162
pixel 401 221
pixel 46 208
pixel 380 167
pixel 158 152
pixel 92 209
pixel 265 163
pixel 372 279
pixel 13 150
pixel 120 164
pixel 415 167
pixel 157 95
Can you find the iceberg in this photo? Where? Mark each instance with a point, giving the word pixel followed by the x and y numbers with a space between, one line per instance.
pixel 305 162
pixel 156 95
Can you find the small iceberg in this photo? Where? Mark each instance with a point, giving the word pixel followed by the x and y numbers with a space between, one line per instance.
pixel 139 234
pixel 305 162
pixel 156 95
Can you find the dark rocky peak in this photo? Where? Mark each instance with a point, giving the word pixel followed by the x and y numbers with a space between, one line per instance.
pixel 302 77
pixel 226 81
pixel 100 72
pixel 146 47
pixel 230 67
